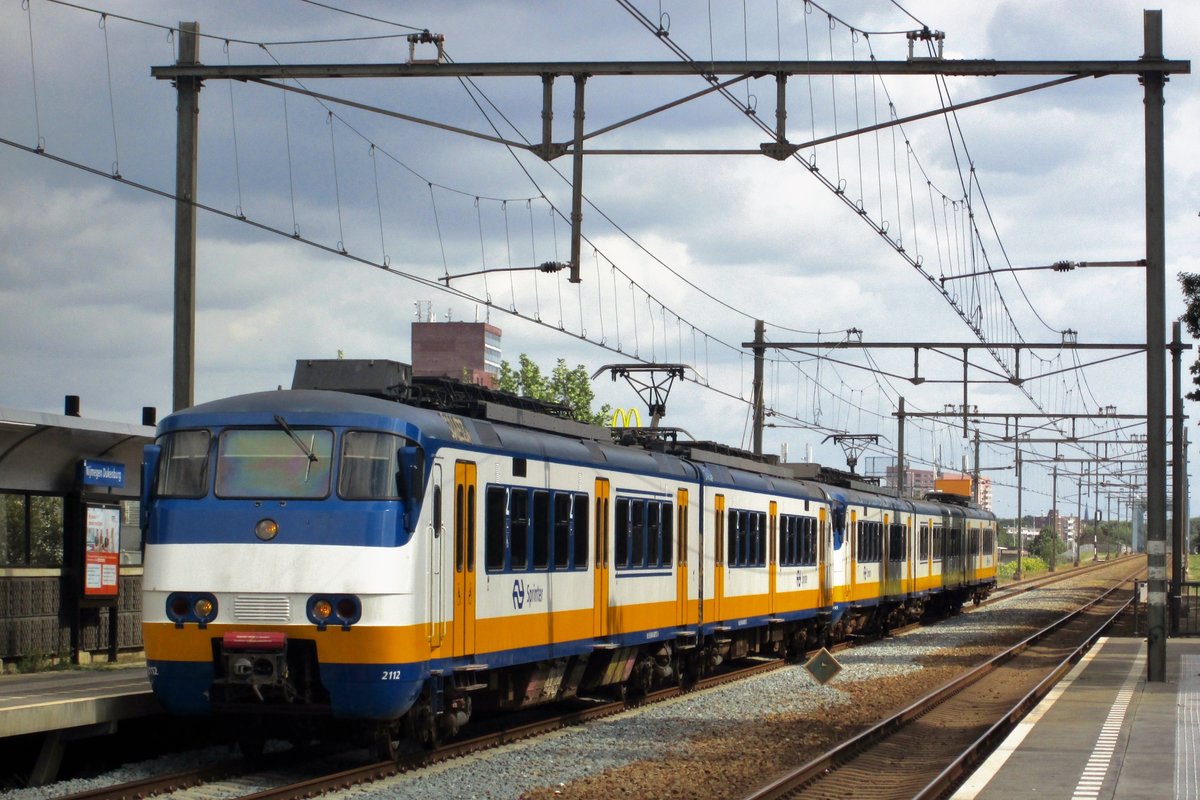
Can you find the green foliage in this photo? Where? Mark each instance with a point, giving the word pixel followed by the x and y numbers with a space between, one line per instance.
pixel 1030 565
pixel 1190 283
pixel 1047 545
pixel 570 387
pixel 45 530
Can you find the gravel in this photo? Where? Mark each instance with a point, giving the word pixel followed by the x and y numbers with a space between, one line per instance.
pixel 715 743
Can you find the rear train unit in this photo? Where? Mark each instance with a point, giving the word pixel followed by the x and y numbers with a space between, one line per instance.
pixel 393 565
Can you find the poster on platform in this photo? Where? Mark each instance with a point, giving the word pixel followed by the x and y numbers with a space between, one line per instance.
pixel 102 552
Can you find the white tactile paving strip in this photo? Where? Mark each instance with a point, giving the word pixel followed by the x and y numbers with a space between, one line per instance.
pixel 1092 780
pixel 1187 729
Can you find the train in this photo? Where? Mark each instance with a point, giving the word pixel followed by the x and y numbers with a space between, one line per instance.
pixel 382 556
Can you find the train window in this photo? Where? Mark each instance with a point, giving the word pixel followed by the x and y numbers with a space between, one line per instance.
pixel 653 534
pixel 621 535
pixel 369 465
pixel 736 534
pixel 808 548
pixel 758 553
pixel 923 542
pixel 897 542
pixel 183 468
pixel 518 529
pixel 562 530
pixel 787 541
pixel 580 522
pixel 870 541
pixel 939 542
pixel 683 530
pixel 470 543
pixel 459 529
pixel 274 462
pixel 637 533
pixel 667 536
pixel 520 465
pixel 747 538
pixel 988 541
pixel 495 524
pixel 643 535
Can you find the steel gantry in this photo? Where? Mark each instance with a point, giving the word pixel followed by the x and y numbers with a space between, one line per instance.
pixel 188 75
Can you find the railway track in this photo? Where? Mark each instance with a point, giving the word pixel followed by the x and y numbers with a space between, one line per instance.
pixel 278 772
pixel 295 773
pixel 927 748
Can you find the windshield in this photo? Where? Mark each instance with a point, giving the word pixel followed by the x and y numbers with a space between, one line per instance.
pixel 183 468
pixel 276 463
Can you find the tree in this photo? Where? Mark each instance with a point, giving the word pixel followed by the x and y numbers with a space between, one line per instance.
pixel 569 387
pixel 1190 281
pixel 1047 546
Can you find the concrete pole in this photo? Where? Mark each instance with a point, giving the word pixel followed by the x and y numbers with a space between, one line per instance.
pixel 757 389
pixel 1020 519
pixel 975 476
pixel 900 449
pixel 1054 519
pixel 187 117
pixel 1178 477
pixel 1078 517
pixel 577 181
pixel 1156 433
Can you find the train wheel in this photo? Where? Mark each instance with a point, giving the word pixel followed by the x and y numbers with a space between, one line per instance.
pixel 389 742
pixel 425 728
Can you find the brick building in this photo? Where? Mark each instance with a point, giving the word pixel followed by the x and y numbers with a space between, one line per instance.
pixel 461 350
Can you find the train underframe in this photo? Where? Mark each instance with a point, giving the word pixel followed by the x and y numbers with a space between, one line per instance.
pixel 278 693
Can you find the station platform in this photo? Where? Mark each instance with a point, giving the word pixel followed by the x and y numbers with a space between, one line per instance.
pixel 66 706
pixel 1105 732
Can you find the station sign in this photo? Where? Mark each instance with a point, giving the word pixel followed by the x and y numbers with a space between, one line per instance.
pixel 101 473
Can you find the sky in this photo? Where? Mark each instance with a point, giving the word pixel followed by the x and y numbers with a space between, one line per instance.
pixel 330 226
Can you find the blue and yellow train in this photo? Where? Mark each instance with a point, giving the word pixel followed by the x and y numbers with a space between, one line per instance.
pixel 318 557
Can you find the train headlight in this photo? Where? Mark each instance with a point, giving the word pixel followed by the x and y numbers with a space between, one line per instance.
pixel 340 609
pixel 178 608
pixel 199 607
pixel 321 610
pixel 348 609
pixel 266 529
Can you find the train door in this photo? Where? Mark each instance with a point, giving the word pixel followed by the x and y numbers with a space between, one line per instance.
pixel 681 550
pixel 851 528
pixel 718 555
pixel 772 557
pixel 838 551
pixel 600 614
pixel 435 600
pixel 465 482
pixel 824 560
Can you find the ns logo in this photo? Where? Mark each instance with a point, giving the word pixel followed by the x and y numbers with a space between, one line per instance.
pixel 526 594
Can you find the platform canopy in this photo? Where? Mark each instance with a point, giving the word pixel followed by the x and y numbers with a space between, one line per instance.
pixel 41 452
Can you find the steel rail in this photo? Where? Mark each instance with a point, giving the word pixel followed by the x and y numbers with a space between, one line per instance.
pixel 833 759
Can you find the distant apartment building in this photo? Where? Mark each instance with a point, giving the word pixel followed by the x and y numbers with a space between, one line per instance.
pixel 1067 527
pixel 919 481
pixel 464 351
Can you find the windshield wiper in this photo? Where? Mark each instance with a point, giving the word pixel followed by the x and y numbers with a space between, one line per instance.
pixel 299 442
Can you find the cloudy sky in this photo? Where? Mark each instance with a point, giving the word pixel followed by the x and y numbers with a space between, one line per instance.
pixel 682 252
